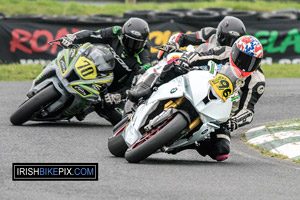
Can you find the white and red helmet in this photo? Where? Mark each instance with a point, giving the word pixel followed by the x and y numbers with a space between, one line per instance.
pixel 246 55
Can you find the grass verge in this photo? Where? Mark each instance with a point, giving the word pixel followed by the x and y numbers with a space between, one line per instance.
pixel 281 71
pixel 18 72
pixel 52 7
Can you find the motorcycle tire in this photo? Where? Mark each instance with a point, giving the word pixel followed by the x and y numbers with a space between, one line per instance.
pixel 120 124
pixel 34 104
pixel 157 141
pixel 116 144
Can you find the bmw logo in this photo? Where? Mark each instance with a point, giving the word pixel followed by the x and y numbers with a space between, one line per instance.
pixel 173 90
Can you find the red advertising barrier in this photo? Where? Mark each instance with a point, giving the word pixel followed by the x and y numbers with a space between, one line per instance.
pixel 25 41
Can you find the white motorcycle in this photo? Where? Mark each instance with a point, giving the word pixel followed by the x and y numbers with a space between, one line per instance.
pixel 181 112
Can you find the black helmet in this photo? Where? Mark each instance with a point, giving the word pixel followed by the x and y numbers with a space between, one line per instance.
pixel 135 32
pixel 229 30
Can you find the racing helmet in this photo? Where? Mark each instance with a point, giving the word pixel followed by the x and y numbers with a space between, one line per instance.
pixel 245 56
pixel 229 30
pixel 135 32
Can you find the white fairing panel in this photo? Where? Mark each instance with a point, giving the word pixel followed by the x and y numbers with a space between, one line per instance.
pixel 215 109
pixel 195 87
pixel 172 89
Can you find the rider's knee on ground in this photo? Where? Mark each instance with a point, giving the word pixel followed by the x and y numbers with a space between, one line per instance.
pixel 217 145
pixel 221 142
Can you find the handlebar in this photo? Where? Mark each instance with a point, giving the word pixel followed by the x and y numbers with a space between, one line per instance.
pixel 162 48
pixel 54 42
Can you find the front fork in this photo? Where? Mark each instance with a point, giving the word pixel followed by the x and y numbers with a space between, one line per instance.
pixel 169 110
pixel 178 102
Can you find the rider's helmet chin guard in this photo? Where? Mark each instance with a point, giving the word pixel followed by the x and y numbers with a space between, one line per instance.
pixel 245 56
pixel 134 35
pixel 229 30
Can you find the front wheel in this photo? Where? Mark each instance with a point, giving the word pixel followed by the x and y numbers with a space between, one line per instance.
pixel 33 105
pixel 151 142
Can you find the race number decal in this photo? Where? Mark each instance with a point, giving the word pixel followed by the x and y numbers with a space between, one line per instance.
pixel 222 86
pixel 86 68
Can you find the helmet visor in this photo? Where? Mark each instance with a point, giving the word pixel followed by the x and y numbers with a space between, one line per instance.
pixel 243 61
pixel 229 38
pixel 133 44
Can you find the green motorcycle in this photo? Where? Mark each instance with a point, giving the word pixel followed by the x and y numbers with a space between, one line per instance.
pixel 68 86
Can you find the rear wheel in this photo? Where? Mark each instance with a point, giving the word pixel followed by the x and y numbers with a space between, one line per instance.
pixel 156 139
pixel 33 105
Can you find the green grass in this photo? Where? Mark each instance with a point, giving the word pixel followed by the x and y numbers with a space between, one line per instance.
pixel 18 72
pixel 281 71
pixel 51 7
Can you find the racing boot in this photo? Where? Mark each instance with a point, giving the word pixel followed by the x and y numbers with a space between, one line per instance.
pixel 204 148
pixel 81 116
pixel 110 113
pixel 143 89
pixel 218 147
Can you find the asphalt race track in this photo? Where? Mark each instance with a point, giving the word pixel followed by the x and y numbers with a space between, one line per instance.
pixel 247 174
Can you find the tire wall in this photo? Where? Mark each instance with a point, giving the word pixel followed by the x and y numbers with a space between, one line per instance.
pixel 24 37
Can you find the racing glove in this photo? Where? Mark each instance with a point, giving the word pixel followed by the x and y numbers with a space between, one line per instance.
pixel 186 59
pixel 67 40
pixel 182 62
pixel 231 124
pixel 169 48
pixel 112 98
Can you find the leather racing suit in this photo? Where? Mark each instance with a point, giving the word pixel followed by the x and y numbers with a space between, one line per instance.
pixel 205 35
pixel 253 88
pixel 250 91
pixel 126 67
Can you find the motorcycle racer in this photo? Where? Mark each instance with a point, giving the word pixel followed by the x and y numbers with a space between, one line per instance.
pixel 131 45
pixel 228 30
pixel 244 59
